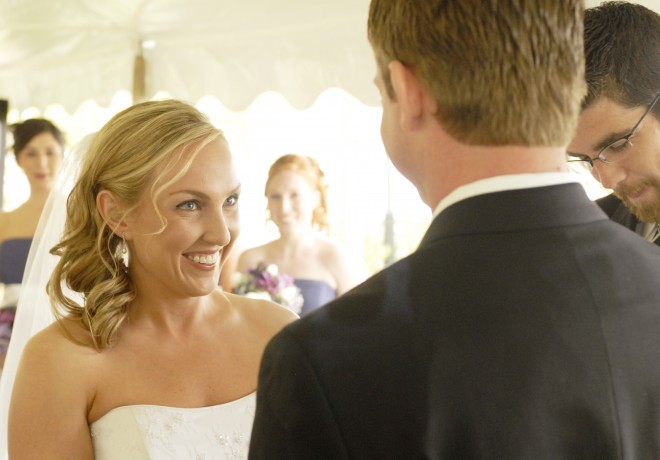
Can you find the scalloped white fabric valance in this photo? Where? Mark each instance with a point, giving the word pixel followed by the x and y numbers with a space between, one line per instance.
pixel 69 51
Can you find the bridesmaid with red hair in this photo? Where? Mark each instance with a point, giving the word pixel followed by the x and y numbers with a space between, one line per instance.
pixel 296 190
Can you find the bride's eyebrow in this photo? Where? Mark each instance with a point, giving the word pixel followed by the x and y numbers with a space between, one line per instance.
pixel 196 193
pixel 199 194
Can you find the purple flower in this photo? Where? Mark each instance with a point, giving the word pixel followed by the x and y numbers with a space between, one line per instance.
pixel 267 279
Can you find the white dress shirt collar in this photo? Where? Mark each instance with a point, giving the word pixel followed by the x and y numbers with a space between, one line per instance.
pixel 502 183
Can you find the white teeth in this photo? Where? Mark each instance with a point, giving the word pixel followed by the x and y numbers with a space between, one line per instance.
pixel 205 260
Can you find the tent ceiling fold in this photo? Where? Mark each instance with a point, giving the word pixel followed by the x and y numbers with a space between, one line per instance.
pixel 69 51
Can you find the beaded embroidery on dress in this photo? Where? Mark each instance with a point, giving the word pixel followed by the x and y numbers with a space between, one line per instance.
pixel 144 432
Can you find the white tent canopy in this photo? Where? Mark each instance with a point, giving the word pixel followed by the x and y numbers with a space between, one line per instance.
pixel 69 51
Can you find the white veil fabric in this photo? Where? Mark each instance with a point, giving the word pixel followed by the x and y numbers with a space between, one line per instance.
pixel 33 310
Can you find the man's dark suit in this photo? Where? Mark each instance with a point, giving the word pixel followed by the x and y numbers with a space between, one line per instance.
pixel 541 317
pixel 619 213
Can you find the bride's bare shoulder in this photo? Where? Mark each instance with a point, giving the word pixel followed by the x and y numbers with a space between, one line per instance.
pixel 54 381
pixel 65 340
pixel 265 314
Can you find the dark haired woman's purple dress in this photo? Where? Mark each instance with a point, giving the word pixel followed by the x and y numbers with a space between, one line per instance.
pixel 13 256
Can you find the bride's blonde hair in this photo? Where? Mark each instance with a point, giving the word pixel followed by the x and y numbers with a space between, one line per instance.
pixel 130 157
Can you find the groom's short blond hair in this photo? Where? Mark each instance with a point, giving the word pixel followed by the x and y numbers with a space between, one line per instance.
pixel 502 72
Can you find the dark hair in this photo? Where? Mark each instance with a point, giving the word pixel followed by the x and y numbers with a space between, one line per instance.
pixel 622 49
pixel 25 131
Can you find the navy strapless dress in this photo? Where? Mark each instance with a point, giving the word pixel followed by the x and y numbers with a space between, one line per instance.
pixel 13 256
pixel 315 294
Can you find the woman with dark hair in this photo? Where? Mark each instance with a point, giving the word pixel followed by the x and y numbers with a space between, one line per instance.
pixel 38 147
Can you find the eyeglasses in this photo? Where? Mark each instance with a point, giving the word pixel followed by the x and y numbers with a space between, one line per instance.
pixel 614 151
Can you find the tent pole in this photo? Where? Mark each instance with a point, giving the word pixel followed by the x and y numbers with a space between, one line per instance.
pixel 139 70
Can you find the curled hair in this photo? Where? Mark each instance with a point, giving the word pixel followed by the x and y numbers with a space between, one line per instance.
pixel 622 49
pixel 309 169
pixel 130 156
pixel 513 78
pixel 25 131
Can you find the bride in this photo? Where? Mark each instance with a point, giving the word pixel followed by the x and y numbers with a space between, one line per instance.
pixel 148 358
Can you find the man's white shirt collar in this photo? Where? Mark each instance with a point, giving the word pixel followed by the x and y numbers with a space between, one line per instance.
pixel 502 183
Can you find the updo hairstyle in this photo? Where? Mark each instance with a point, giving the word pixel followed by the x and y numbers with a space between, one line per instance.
pixel 25 131
pixel 131 156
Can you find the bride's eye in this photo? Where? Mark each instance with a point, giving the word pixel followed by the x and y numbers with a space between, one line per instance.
pixel 190 205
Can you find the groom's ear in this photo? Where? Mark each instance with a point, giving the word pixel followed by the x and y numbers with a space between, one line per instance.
pixel 414 100
pixel 112 211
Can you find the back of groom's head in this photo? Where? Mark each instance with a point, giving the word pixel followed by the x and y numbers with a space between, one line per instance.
pixel 513 78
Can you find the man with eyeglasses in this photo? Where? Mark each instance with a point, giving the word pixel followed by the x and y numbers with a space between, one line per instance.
pixel 618 134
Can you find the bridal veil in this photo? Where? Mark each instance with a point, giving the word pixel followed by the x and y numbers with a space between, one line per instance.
pixel 33 312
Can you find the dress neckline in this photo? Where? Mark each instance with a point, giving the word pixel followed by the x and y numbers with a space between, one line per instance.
pixel 310 280
pixel 16 239
pixel 119 409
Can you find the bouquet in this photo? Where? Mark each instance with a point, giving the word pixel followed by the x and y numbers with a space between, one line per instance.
pixel 7 315
pixel 265 282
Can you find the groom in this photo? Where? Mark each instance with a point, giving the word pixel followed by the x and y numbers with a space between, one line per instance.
pixel 526 323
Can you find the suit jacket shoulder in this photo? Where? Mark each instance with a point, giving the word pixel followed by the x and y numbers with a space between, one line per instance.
pixel 507 297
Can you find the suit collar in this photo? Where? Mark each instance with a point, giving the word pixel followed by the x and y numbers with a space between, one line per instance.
pixel 502 183
pixel 515 210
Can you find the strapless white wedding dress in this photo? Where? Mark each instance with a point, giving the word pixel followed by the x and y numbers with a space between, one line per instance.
pixel 144 432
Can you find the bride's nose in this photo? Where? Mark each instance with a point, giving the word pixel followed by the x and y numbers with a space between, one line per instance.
pixel 218 228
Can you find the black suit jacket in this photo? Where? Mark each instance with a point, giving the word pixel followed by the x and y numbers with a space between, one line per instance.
pixel 619 213
pixel 526 326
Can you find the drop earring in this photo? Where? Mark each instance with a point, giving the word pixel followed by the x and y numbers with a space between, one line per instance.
pixel 122 250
